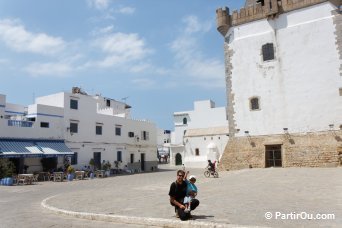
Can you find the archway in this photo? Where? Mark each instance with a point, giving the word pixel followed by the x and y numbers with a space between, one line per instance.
pixel 178 159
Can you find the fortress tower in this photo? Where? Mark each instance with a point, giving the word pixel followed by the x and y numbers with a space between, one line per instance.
pixel 283 70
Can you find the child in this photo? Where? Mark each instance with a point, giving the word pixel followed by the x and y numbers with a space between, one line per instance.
pixel 191 192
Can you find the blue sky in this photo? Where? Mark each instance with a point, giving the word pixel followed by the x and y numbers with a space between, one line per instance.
pixel 159 55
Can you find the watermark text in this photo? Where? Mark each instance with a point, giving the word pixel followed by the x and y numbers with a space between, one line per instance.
pixel 299 216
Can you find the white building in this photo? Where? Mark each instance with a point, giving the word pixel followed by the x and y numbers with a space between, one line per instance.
pixel 200 135
pixel 25 141
pixel 283 74
pixel 93 127
pixel 163 144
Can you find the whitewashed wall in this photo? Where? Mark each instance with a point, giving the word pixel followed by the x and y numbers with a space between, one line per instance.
pixel 86 142
pixel 204 115
pixel 42 113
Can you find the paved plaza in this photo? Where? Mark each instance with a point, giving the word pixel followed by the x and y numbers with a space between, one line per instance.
pixel 237 198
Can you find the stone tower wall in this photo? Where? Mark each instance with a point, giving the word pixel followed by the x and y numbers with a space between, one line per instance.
pixel 319 149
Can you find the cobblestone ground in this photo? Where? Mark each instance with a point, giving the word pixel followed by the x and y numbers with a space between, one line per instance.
pixel 237 197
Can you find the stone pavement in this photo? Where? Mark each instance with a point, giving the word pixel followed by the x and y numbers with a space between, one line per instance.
pixel 237 198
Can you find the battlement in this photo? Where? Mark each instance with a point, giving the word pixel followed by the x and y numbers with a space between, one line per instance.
pixel 262 9
pixel 223 20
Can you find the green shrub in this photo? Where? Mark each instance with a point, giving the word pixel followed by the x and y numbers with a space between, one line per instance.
pixel 7 168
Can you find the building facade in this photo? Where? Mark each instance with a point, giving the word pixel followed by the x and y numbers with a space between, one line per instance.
pixel 92 127
pixel 284 83
pixel 200 135
pixel 163 144
pixel 25 141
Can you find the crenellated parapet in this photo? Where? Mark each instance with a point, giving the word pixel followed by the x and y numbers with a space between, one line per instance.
pixel 223 20
pixel 261 10
pixel 289 5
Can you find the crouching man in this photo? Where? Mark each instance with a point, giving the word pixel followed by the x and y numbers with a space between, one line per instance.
pixel 177 193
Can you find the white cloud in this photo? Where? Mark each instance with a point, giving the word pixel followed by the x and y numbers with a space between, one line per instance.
pixel 16 37
pixel 121 48
pixel 193 25
pixel 49 69
pixel 101 31
pixel 191 62
pixel 99 4
pixel 126 10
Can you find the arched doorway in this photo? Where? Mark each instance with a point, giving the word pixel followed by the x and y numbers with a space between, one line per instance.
pixel 178 159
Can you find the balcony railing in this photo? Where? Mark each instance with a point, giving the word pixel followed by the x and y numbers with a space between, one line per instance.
pixel 19 123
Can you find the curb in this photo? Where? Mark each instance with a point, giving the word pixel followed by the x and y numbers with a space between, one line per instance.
pixel 133 220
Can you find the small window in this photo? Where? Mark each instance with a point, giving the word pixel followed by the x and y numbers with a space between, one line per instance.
pixel 268 51
pixel 185 120
pixel 73 127
pixel 197 151
pixel 44 124
pixel 144 135
pixel 73 104
pixel 340 91
pixel 131 134
pixel 254 103
pixel 74 159
pixel 119 156
pixel 184 132
pixel 118 131
pixel 98 130
pixel 108 103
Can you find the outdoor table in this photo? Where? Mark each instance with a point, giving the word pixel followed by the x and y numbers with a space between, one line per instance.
pixel 27 178
pixel 58 176
pixel 79 175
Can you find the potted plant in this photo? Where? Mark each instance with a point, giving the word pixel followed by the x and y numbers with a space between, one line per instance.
pixel 107 167
pixel 7 169
pixel 71 173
